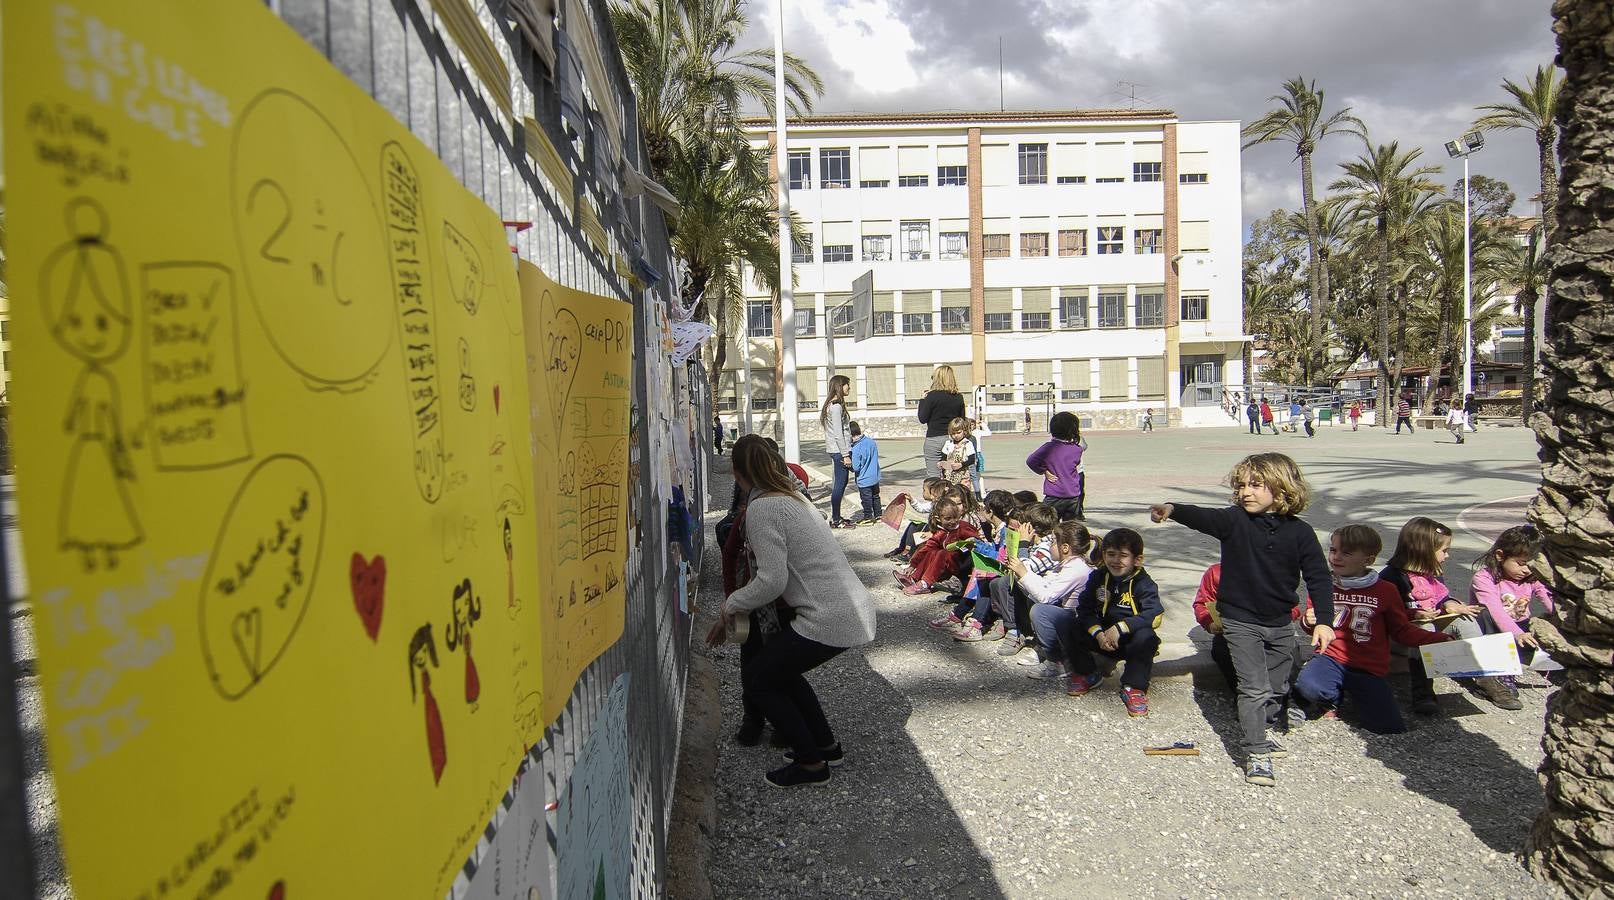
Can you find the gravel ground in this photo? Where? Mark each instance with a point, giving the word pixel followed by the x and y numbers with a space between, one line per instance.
pixel 966 779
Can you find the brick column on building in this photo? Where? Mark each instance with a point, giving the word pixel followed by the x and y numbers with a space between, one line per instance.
pixel 1168 177
pixel 977 265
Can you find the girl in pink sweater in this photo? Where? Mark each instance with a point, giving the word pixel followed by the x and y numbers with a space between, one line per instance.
pixel 1507 591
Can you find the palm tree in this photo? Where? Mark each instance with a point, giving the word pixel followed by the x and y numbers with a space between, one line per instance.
pixel 1532 109
pixel 1525 270
pixel 1570 843
pixel 1266 302
pixel 688 76
pixel 1298 118
pixel 1441 263
pixel 1375 182
pixel 1331 226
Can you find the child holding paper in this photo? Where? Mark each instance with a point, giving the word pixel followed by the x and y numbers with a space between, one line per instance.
pixel 1368 612
pixel 918 515
pixel 1508 592
pixel 968 620
pixel 933 561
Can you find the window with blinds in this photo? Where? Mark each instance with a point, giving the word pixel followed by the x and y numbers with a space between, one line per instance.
pixel 952 166
pixel 874 167
pixel 913 166
pixel 1000 382
pixel 1146 161
pixel 1151 378
pixel 1112 376
pixel 962 373
pixel 915 382
pixel 1073 307
pixel 728 385
pixel 879 386
pixel 1070 164
pixel 917 317
pixel 998 165
pixel 764 389
pixel 1111 163
pixel 1194 236
pixel 1193 167
pixel 876 241
pixel 1036 305
pixel 1075 380
pixel 839 239
pixel 1039 374
pixel 807 396
pixel 999 306
pixel 955 312
pixel 953 239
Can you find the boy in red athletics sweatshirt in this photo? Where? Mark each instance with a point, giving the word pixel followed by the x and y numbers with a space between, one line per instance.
pixel 1368 612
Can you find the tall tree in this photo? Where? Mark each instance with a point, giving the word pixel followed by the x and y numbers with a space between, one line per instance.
pixel 1571 843
pixel 1375 181
pixel 1525 270
pixel 1298 118
pixel 1488 198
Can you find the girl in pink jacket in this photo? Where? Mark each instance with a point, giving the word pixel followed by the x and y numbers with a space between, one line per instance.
pixel 1508 591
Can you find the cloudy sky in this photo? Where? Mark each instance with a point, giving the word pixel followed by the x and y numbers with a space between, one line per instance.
pixel 1412 70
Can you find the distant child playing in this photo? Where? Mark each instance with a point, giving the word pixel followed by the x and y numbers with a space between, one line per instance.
pixel 1266 550
pixel 1059 462
pixel 1116 616
pixel 866 469
pixel 1367 613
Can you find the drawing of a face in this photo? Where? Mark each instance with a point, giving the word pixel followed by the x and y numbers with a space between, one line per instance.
pixel 311 240
pixel 92 320
pixel 422 650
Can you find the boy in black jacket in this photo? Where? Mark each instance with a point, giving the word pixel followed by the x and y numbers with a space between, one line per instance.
pixel 1266 550
pixel 1116 615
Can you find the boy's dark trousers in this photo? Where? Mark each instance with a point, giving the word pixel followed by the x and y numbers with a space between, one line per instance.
pixel 1068 508
pixel 1137 649
pixel 1223 658
pixel 872 508
pixel 1263 657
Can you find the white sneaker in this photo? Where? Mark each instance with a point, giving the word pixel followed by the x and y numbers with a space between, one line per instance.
pixel 1049 669
pixel 1029 659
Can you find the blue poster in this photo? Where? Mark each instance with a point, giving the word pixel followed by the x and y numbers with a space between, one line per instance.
pixel 594 818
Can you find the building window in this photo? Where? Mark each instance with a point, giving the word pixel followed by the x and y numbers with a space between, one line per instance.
pixel 764 403
pixel 1193 178
pixel 1073 310
pixel 1145 171
pixel 918 323
pixel 802 251
pixel 727 403
pixel 1111 180
pixel 883 322
pixel 806 323
pixel 1146 240
pixel 1077 394
pixel 877 247
pixel 1034 321
pixel 1112 310
pixel 838 253
pixel 882 183
pixel 955 320
pixel 1073 242
pixel 801 170
pixel 1071 179
pixel 916 240
pixel 1034 244
pixel 999 322
pixel 759 318
pixel 1033 163
pixel 995 246
pixel 1195 307
pixel 835 168
pixel 1111 239
pixel 840 320
pixel 954 245
pixel 913 180
pixel 1151 309
pixel 952 176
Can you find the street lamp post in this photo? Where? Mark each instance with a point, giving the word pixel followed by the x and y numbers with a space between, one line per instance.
pixel 787 293
pixel 1463 148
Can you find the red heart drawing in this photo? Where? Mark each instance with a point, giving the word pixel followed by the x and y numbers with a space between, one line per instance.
pixel 495 398
pixel 278 891
pixel 368 580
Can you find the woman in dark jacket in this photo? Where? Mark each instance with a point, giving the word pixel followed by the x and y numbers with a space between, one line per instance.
pixel 941 405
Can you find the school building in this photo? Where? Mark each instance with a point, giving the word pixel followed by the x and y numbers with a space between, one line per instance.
pixel 1087 260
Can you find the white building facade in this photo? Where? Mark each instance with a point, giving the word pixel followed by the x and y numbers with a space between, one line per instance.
pixel 1087 261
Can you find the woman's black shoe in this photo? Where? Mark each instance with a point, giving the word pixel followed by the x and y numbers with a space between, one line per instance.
pixel 832 755
pixel 795 776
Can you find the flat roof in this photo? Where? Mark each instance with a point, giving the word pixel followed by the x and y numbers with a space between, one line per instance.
pixel 966 117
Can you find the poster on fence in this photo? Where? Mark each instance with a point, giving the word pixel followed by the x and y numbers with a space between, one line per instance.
pixel 593 815
pixel 579 366
pixel 271 425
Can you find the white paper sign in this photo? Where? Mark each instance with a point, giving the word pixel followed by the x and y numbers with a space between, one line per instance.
pixel 1493 654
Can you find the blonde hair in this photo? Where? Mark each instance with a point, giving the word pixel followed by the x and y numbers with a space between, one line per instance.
pixel 943 379
pixel 1290 493
pixel 958 424
pixel 757 463
pixel 1417 548
pixel 839 387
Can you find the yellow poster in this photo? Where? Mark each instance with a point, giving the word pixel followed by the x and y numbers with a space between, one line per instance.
pixel 579 364
pixel 271 427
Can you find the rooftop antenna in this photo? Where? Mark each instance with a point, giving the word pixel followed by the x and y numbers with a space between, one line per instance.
pixel 1000 73
pixel 1128 91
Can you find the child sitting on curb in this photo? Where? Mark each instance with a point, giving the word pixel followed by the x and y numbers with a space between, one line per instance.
pixel 969 617
pixel 918 527
pixel 933 562
pixel 1116 615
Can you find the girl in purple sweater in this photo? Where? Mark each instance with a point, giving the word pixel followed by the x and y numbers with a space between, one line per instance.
pixel 1059 462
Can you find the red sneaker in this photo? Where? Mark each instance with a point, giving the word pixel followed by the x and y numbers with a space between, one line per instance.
pixel 1077 685
pixel 1137 702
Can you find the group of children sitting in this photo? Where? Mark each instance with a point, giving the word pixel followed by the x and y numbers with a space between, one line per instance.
pixel 1032 576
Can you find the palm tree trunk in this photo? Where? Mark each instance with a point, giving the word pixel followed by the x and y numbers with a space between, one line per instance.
pixel 1385 414
pixel 1571 843
pixel 720 352
pixel 1400 332
pixel 1316 266
pixel 1527 372
pixel 1549 203
pixel 1437 366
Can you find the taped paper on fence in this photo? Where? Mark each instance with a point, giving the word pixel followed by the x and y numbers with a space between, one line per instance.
pixel 1493 654
pixel 271 403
